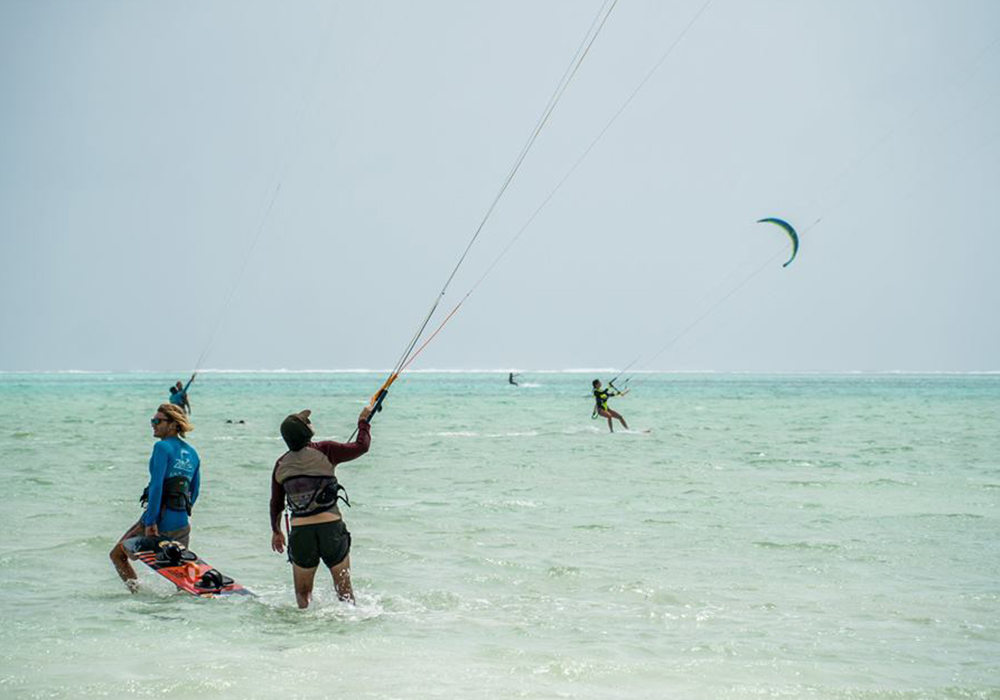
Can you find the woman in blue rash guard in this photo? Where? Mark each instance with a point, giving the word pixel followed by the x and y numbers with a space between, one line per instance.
pixel 174 481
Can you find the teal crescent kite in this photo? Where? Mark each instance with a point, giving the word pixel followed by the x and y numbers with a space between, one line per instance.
pixel 790 230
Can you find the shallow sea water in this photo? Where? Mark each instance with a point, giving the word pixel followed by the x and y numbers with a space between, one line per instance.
pixel 771 536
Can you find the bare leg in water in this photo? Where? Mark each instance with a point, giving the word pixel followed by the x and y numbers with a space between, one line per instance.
pixel 304 578
pixel 119 557
pixel 609 414
pixel 342 579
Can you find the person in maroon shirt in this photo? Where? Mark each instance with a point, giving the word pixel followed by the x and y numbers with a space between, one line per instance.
pixel 305 481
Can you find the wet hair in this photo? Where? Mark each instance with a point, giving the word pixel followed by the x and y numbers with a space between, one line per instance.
pixel 595 383
pixel 173 389
pixel 176 415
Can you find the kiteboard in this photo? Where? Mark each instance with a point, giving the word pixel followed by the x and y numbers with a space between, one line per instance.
pixel 186 570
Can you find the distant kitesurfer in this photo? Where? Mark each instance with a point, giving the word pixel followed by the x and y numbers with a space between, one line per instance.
pixel 601 409
pixel 179 394
pixel 305 478
pixel 174 480
pixel 510 378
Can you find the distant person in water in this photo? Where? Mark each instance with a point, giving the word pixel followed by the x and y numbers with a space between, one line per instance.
pixel 179 394
pixel 510 378
pixel 601 396
pixel 305 479
pixel 174 480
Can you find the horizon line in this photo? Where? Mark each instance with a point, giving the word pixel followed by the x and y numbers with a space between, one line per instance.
pixel 570 370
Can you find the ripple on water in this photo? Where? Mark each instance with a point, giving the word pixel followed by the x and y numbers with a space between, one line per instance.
pixel 889 482
pixel 811 546
pixel 648 568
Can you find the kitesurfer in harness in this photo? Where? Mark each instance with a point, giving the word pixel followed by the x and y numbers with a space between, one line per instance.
pixel 305 480
pixel 510 378
pixel 601 396
pixel 179 394
pixel 174 480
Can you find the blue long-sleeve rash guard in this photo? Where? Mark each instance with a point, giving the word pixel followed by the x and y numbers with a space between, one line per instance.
pixel 171 457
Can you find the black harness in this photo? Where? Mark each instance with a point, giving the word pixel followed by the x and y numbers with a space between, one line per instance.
pixel 309 495
pixel 176 494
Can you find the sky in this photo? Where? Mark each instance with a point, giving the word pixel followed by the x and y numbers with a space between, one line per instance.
pixel 259 185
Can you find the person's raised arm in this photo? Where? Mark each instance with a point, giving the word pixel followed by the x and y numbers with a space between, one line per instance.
pixel 195 485
pixel 338 452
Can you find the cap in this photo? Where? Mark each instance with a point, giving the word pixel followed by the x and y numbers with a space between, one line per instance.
pixel 296 430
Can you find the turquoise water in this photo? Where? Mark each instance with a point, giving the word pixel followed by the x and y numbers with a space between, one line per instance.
pixel 771 536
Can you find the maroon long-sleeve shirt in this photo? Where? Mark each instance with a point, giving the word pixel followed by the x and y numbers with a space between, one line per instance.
pixel 336 452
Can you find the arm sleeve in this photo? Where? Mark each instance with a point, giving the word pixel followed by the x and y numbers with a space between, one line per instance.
pixel 195 485
pixel 186 386
pixel 157 470
pixel 338 452
pixel 277 501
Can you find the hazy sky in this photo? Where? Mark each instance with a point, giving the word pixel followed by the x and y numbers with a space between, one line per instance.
pixel 141 143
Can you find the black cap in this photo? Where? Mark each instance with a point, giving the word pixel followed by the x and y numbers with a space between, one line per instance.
pixel 296 430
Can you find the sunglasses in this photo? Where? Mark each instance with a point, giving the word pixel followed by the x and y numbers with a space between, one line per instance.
pixel 156 421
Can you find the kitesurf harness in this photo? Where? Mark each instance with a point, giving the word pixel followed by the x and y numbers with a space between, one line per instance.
pixel 602 396
pixel 176 494
pixel 309 495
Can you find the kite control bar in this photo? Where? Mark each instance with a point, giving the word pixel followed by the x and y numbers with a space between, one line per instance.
pixel 377 404
pixel 620 392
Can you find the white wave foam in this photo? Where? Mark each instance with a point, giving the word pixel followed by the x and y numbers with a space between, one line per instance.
pixel 570 370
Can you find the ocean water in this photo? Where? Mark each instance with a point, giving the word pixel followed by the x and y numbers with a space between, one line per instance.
pixel 768 537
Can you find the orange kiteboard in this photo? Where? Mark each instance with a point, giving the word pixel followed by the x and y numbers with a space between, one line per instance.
pixel 182 567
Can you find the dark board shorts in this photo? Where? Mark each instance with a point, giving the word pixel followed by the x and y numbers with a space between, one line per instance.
pixel 307 544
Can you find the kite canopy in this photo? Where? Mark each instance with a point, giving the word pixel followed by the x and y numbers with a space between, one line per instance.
pixel 790 230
